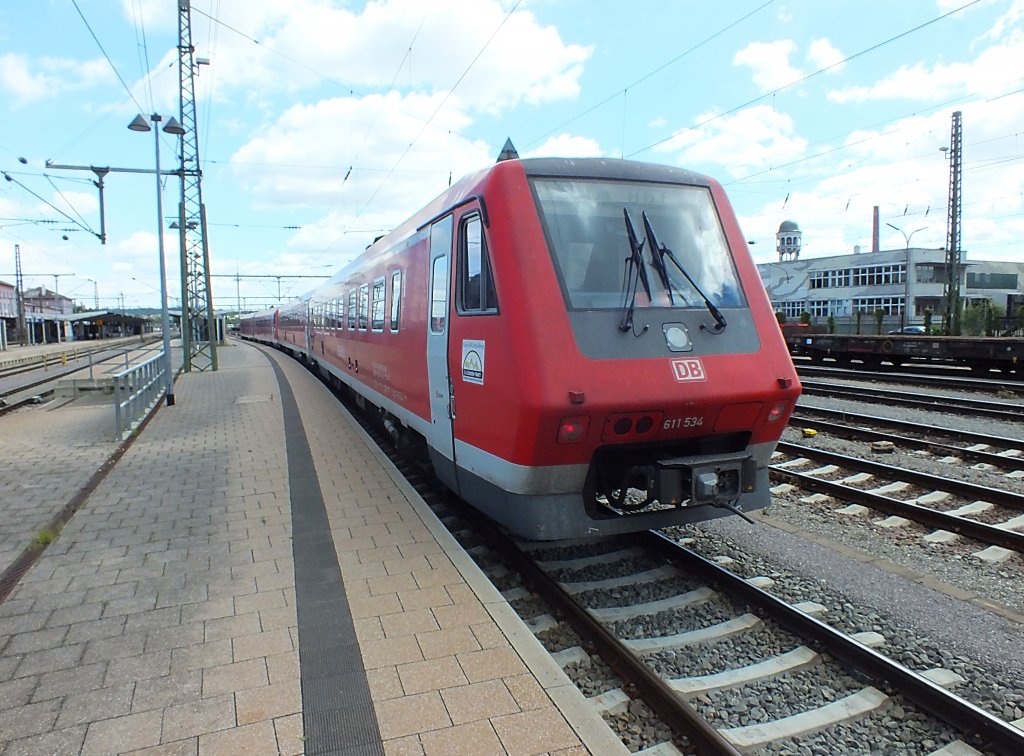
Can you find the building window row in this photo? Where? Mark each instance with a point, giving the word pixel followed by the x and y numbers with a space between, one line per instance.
pixel 867 275
pixel 822 308
pixel 888 305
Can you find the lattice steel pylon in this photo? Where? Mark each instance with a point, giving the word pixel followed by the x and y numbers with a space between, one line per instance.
pixel 953 242
pixel 198 327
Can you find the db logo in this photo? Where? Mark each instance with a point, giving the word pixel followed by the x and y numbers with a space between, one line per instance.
pixel 688 370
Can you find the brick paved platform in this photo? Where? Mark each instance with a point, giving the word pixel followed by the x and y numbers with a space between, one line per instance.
pixel 198 601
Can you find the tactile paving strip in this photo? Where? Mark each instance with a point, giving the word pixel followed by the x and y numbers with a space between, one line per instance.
pixel 337 711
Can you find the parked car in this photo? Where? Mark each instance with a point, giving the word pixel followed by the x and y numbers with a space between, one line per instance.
pixel 911 330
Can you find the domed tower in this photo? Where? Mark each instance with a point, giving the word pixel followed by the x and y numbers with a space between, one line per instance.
pixel 787 240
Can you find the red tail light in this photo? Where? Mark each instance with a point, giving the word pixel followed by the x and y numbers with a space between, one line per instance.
pixel 777 411
pixel 572 430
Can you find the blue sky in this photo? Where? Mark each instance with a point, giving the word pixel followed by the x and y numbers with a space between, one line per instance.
pixel 323 123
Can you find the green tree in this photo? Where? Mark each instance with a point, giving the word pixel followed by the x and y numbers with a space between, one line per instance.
pixel 995 314
pixel 879 317
pixel 974 319
pixel 860 314
pixel 805 317
pixel 928 320
pixel 832 323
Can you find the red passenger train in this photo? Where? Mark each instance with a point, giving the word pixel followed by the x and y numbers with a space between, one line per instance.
pixel 582 347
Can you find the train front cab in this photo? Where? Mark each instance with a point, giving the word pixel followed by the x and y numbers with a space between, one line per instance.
pixel 546 409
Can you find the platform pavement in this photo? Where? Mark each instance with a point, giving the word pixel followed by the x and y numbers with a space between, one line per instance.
pixel 163 618
pixel 46 454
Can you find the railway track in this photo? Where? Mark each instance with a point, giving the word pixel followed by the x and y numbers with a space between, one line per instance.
pixel 853 473
pixel 922 436
pixel 656 686
pixel 947 380
pixel 653 662
pixel 664 579
pixel 946 404
pixel 57 365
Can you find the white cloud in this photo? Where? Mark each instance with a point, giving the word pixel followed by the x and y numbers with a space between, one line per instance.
pixel 994 71
pixel 822 54
pixel 47 77
pixel 748 140
pixel 770 63
pixel 424 46
pixel 567 145
pixel 302 159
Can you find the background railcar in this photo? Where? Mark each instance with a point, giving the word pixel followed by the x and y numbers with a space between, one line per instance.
pixel 980 354
pixel 581 347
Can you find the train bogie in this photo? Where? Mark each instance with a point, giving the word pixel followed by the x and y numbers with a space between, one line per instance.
pixel 582 347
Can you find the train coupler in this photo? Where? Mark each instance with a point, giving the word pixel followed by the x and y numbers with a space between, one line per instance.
pixel 691 481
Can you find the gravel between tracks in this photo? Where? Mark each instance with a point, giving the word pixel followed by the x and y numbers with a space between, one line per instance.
pixel 953 564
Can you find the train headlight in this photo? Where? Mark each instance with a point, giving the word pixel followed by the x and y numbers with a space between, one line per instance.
pixel 572 430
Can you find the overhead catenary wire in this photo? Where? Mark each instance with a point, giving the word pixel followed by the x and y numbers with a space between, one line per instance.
pixel 46 202
pixel 441 105
pixel 652 72
pixel 807 77
pixel 109 61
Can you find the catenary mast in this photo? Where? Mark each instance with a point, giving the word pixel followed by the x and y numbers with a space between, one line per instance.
pixel 953 252
pixel 198 327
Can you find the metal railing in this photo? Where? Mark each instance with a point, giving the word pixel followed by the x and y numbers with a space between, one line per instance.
pixel 136 390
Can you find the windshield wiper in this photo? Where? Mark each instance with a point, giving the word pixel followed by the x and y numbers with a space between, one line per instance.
pixel 660 252
pixel 635 271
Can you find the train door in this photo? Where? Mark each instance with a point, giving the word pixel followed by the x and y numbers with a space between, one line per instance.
pixel 307 343
pixel 440 439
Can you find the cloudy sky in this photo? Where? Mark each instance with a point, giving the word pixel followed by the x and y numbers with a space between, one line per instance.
pixel 323 123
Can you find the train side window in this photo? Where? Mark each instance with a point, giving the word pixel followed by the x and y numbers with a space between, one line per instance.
pixel 364 306
pixel 396 299
pixel 476 283
pixel 352 310
pixel 441 234
pixel 438 292
pixel 377 306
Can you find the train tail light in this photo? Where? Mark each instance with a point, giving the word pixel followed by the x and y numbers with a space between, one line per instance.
pixel 777 411
pixel 572 430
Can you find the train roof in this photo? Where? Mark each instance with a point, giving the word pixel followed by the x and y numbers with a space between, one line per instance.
pixel 611 168
pixel 466 187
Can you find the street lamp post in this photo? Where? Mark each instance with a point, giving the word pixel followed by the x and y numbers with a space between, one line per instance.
pixel 95 294
pixel 57 303
pixel 906 272
pixel 171 127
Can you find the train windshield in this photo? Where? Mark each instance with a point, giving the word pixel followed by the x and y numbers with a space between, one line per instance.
pixel 584 223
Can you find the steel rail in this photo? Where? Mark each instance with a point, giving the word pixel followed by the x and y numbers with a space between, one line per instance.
pixel 651 688
pixel 5 408
pixel 678 715
pixel 964 716
pixel 74 366
pixel 864 434
pixel 28 363
pixel 916 379
pixel 979 531
pixel 1000 410
pixel 1007 499
pixel 885 422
